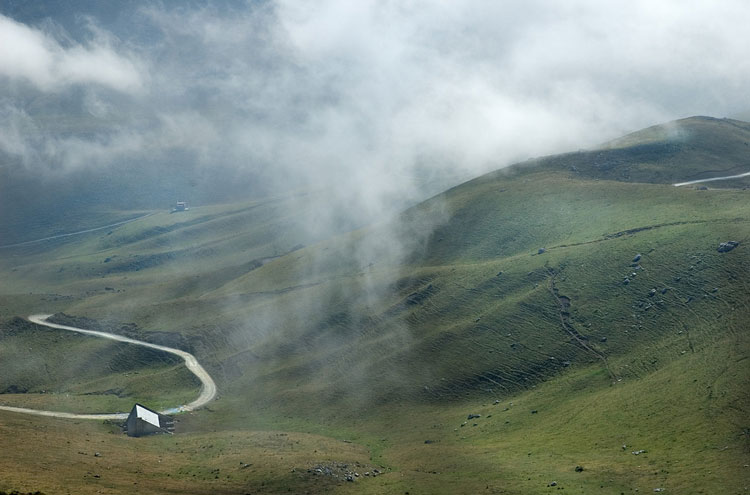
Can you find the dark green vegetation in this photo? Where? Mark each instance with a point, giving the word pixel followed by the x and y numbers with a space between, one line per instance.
pixel 518 296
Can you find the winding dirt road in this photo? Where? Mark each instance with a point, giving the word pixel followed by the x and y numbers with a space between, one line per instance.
pixel 60 236
pixel 711 180
pixel 208 389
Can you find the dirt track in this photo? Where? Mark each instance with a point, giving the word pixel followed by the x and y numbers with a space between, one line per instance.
pixel 60 236
pixel 208 390
pixel 711 180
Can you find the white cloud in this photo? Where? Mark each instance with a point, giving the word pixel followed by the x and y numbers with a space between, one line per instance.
pixel 357 93
pixel 31 55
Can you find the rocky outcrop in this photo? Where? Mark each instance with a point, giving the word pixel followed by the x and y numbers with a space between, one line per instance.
pixel 725 247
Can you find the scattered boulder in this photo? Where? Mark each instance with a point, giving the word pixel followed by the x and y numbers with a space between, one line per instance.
pixel 341 471
pixel 702 188
pixel 534 411
pixel 652 292
pixel 603 339
pixel 638 452
pixel 637 258
pixel 541 251
pixel 725 247
pixel 626 281
pixel 579 469
pixel 473 416
pixel 552 483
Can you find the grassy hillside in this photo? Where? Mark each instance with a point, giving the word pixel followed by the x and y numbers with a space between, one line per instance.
pixel 577 303
pixel 684 150
pixel 96 375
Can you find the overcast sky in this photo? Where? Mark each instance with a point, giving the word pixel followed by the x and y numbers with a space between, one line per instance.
pixel 367 94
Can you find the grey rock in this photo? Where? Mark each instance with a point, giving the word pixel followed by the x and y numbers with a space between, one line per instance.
pixel 725 247
pixel 541 251
pixel 637 258
pixel 472 416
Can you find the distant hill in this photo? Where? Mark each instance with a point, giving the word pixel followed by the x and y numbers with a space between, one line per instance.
pixel 683 150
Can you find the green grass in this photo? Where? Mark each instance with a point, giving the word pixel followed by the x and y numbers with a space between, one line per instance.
pixel 390 336
pixel 96 375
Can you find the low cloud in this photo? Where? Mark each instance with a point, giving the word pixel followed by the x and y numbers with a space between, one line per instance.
pixel 371 99
pixel 33 56
pixel 373 105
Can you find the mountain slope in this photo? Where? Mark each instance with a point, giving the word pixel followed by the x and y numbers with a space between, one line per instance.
pixel 595 301
pixel 680 151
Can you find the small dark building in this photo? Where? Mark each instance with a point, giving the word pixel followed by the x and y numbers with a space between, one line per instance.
pixel 143 421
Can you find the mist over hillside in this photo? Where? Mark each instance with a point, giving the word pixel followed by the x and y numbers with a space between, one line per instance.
pixel 430 247
pixel 572 311
pixel 138 105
